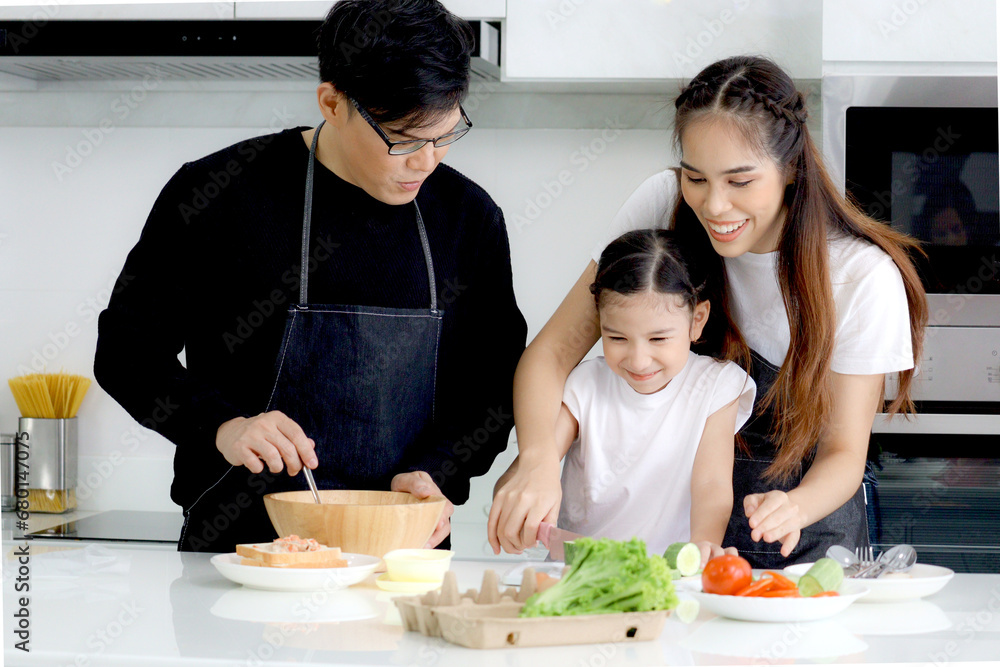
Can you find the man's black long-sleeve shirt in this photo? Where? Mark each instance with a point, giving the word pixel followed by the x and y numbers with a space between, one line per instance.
pixel 217 266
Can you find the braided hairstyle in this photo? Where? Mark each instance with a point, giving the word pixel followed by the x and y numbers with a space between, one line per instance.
pixel 761 102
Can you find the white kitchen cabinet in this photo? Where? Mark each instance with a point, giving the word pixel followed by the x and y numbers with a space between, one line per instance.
pixel 42 11
pixel 315 9
pixel 910 31
pixel 656 39
pixel 47 10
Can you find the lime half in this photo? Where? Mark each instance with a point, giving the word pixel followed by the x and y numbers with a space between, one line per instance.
pixel 685 557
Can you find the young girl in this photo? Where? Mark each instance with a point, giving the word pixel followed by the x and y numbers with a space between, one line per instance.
pixel 648 429
pixel 824 301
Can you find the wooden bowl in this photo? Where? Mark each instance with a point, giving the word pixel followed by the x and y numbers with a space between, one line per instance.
pixel 359 522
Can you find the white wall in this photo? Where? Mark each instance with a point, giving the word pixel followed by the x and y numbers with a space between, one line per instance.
pixel 65 234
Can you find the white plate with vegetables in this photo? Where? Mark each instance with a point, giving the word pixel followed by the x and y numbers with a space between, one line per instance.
pixel 781 610
pixel 919 582
pixel 729 590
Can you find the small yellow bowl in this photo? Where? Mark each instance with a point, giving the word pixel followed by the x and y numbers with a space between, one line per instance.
pixel 417 565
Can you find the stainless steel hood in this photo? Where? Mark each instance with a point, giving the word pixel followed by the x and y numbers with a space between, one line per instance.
pixel 184 50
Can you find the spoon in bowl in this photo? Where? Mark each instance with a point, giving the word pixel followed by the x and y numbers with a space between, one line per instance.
pixel 312 484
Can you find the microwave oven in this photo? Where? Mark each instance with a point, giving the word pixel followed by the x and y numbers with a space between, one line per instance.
pixel 920 154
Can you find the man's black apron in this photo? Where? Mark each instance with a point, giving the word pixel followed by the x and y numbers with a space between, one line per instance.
pixel 847 526
pixel 360 382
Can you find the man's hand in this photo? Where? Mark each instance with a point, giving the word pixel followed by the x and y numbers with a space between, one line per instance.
pixel 271 438
pixel 774 517
pixel 422 486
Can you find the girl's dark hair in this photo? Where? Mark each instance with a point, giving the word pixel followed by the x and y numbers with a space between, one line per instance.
pixel 761 102
pixel 399 59
pixel 664 262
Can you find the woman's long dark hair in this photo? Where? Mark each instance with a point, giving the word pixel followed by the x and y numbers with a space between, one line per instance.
pixel 759 98
pixel 665 262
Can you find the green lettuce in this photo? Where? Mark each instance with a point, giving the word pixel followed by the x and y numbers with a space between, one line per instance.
pixel 607 576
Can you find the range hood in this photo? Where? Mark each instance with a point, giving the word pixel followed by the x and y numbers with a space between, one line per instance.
pixel 185 50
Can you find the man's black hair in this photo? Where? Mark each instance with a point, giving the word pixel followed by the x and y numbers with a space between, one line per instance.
pixel 399 59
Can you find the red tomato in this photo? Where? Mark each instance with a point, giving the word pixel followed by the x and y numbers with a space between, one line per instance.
pixel 724 575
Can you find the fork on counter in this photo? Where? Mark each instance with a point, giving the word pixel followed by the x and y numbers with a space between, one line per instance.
pixel 866 560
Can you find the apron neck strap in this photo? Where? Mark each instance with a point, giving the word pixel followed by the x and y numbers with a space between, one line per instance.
pixel 307 226
pixel 307 218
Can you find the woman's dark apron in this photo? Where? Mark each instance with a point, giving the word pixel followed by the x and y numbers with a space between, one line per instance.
pixel 359 380
pixel 847 526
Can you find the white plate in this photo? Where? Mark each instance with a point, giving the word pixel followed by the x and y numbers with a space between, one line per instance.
pixel 780 610
pixel 921 581
pixel 514 575
pixel 358 568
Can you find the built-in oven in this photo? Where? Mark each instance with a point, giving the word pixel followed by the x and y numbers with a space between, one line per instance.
pixel 920 154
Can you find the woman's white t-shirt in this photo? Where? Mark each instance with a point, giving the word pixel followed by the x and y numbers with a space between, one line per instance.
pixel 628 473
pixel 873 321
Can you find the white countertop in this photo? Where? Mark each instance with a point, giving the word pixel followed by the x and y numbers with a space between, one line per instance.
pixel 158 606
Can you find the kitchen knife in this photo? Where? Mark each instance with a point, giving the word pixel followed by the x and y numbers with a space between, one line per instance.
pixel 555 539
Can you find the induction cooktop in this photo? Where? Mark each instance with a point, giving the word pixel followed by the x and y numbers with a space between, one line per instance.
pixel 119 526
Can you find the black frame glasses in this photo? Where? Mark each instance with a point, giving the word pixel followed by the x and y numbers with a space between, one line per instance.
pixel 414 145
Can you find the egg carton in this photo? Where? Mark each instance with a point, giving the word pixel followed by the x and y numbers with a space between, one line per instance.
pixel 488 618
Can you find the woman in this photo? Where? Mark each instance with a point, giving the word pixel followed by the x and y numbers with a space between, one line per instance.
pixel 821 303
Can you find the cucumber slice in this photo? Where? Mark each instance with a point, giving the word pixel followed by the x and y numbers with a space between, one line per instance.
pixel 687 610
pixel 685 557
pixel 825 575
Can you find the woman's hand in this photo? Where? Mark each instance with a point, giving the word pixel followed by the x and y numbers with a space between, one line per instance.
pixel 774 517
pixel 271 438
pixel 710 550
pixel 422 486
pixel 531 495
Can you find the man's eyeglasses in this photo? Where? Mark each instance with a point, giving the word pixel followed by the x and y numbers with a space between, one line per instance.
pixel 414 145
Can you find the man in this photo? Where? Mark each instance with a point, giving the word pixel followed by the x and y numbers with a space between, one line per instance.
pixel 343 302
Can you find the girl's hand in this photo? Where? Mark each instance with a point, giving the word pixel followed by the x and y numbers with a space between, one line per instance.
pixel 531 495
pixel 774 517
pixel 710 550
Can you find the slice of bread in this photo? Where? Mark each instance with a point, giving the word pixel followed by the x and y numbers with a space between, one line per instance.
pixel 292 551
pixel 253 562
